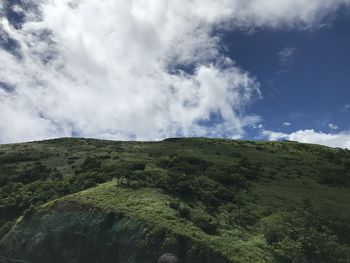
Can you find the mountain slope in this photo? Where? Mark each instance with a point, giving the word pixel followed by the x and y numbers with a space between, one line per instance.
pixel 206 200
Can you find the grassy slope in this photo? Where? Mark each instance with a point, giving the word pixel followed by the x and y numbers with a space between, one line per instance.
pixel 151 207
pixel 291 173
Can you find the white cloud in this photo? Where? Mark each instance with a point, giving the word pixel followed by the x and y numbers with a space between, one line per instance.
pixel 341 140
pixel 332 126
pixel 236 137
pixel 108 68
pixel 286 55
pixel 346 108
pixel 257 126
pixel 286 124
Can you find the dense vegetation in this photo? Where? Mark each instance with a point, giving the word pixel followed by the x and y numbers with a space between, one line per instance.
pixel 287 199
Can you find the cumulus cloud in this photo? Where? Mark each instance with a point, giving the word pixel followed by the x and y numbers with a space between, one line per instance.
pixel 341 140
pixel 286 124
pixel 133 69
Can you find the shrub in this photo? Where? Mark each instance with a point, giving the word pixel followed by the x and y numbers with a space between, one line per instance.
pixel 244 162
pixel 157 177
pixel 16 157
pixel 91 163
pixel 235 155
pixel 184 211
pixel 38 171
pixel 243 217
pixel 205 222
pixel 174 205
pixel 229 176
pixel 334 178
pixel 183 164
pixel 305 233
pixel 259 148
pixel 70 161
pixel 104 157
pixel 137 165
pixel 331 156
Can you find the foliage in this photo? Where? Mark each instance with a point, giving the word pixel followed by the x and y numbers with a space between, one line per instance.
pixel 306 233
pixel 242 193
pixel 338 177
pixel 183 164
pixel 91 163
pixel 184 211
pixel 205 222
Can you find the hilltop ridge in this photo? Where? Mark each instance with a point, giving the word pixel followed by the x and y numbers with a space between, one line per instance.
pixel 208 200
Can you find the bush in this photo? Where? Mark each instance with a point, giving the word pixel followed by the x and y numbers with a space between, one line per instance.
pixel 243 217
pixel 17 157
pixel 259 148
pixel 91 164
pixel 305 233
pixel 184 211
pixel 205 222
pixel 334 178
pixel 235 155
pixel 158 177
pixel 38 171
pixel 229 176
pixel 144 178
pixel 174 205
pixel 137 165
pixel 332 157
pixel 70 161
pixel 104 157
pixel 183 164
pixel 244 162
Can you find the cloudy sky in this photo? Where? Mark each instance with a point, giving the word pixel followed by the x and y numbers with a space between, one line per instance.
pixel 147 70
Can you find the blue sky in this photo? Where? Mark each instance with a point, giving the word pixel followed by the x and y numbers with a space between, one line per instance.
pixel 147 70
pixel 309 86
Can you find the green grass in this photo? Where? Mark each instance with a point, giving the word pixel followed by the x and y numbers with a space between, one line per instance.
pixel 234 190
pixel 152 207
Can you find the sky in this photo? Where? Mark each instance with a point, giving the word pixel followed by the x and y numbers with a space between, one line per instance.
pixel 148 70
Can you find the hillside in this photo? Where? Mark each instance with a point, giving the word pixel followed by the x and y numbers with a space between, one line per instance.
pixel 206 200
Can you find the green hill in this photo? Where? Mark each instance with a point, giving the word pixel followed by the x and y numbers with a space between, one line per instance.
pixel 205 200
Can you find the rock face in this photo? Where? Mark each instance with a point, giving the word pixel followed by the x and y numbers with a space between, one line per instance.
pixel 75 234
